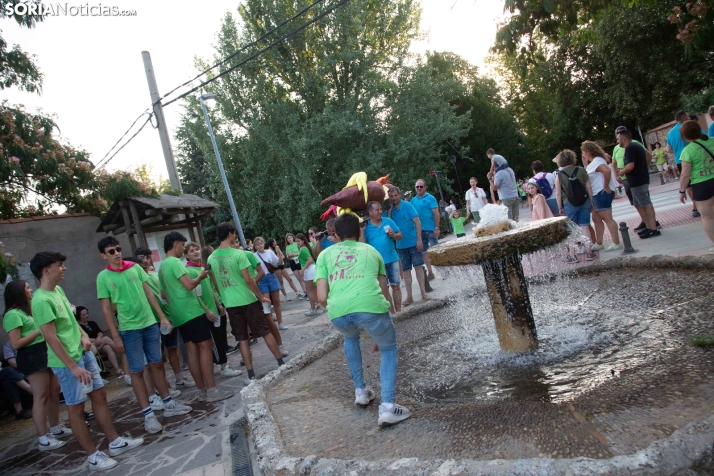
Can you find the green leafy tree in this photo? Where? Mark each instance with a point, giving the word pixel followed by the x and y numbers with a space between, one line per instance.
pixel 18 68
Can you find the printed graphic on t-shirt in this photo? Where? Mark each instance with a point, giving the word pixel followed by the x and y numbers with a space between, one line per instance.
pixel 348 265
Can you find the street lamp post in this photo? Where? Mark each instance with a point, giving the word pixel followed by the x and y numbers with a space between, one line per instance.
pixel 202 99
pixel 452 159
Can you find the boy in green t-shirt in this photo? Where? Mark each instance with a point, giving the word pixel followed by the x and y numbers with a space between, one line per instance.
pixel 125 285
pixel 352 285
pixel 241 296
pixel 458 223
pixel 69 358
pixel 191 316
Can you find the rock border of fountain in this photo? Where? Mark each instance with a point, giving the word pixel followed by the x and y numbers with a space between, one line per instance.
pixel 684 449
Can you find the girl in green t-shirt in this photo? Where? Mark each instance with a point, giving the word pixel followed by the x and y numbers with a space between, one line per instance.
pixel 26 339
pixel 292 253
pixel 698 170
pixel 307 261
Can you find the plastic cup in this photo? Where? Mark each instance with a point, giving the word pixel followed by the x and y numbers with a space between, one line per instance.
pixel 165 330
pixel 218 322
pixel 387 229
pixel 266 307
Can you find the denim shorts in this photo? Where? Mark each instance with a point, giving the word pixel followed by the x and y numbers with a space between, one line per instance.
pixel 580 215
pixel 142 343
pixel 71 386
pixel 553 205
pixel 603 201
pixel 428 240
pixel 269 283
pixel 393 273
pixel 410 257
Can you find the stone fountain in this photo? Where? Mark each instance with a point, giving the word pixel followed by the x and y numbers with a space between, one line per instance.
pixel 499 254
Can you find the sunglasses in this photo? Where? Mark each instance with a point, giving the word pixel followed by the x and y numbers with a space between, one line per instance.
pixel 419 186
pixel 114 250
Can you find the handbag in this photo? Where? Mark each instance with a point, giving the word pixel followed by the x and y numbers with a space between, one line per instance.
pixel 271 268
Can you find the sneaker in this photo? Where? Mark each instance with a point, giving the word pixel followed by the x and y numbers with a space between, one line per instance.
pixel 186 383
pixel 173 393
pixel 282 327
pixel 283 352
pixel 232 350
pixel 363 396
pixel 157 404
pixel 613 247
pixel 127 380
pixel 202 395
pixel 590 256
pixel 393 416
pixel 641 226
pixel 311 312
pixel 61 397
pixel 570 259
pixel 216 369
pixel 597 247
pixel 125 445
pixel 52 444
pixel 229 372
pixel 88 416
pixel 184 366
pixel 219 395
pixel 177 409
pixel 151 425
pixel 658 225
pixel 101 461
pixel 430 276
pixel 61 432
pixel 581 250
pixel 650 234
pixel 696 214
pixel 23 415
pixel 253 340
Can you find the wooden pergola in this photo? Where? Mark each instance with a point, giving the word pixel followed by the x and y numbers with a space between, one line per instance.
pixel 137 216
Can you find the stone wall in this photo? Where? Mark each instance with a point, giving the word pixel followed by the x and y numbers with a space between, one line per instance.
pixel 72 235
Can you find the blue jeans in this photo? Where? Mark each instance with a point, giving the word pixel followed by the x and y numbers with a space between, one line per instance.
pixel 381 329
pixel 71 386
pixel 553 205
pixel 142 345
pixel 393 273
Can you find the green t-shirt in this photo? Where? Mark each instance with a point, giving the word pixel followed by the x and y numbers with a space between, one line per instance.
pixel 304 256
pixel 126 290
pixel 205 290
pixel 226 265
pixel 253 261
pixel 351 269
pixel 155 286
pixel 659 155
pixel 53 306
pixel 292 248
pixel 618 156
pixel 183 304
pixel 15 318
pixel 702 163
pixel 458 224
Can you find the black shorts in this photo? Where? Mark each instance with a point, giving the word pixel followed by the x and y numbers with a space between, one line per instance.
pixel 295 266
pixel 250 315
pixel 196 330
pixel 703 191
pixel 679 167
pixel 32 358
pixel 170 340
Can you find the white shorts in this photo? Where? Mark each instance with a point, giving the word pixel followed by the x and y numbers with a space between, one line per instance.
pixel 309 273
pixel 662 167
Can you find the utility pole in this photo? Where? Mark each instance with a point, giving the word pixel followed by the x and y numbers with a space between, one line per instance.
pixel 159 114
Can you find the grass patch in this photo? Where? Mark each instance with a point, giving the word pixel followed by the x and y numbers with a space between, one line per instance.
pixel 702 341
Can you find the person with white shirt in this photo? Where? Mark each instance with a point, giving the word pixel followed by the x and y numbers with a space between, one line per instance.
pixel 269 285
pixel 476 199
pixel 603 184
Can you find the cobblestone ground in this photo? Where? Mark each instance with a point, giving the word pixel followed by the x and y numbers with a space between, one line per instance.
pixel 610 377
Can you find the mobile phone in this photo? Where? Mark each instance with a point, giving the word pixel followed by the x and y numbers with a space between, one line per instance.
pixel 207 267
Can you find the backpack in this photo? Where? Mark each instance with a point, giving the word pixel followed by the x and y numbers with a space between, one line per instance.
pixel 575 191
pixel 544 185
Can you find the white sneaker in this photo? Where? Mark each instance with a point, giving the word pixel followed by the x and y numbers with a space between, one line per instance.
pixel 612 247
pixel 218 395
pixel 283 352
pixel 311 312
pixel 127 380
pixel 216 369
pixel 202 395
pixel 187 382
pixel 126 445
pixel 393 416
pixel 173 393
pixel 156 403
pixel 177 409
pixel 101 462
pixel 229 372
pixel 282 327
pixel 363 396
pixel 61 432
pixel 597 247
pixel 151 425
pixel 52 444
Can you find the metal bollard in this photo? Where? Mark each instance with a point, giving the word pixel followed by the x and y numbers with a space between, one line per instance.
pixel 661 177
pixel 625 232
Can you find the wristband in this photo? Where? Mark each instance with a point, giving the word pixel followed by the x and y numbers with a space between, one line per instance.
pixel 682 192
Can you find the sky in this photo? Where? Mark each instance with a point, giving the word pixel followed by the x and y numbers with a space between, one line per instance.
pixel 95 83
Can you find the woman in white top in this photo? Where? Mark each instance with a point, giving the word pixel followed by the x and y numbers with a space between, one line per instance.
pixel 475 200
pixel 269 284
pixel 603 184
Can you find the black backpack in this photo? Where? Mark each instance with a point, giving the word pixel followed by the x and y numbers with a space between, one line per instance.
pixel 575 191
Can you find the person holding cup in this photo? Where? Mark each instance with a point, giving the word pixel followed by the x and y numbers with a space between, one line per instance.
pixel 69 358
pixel 382 233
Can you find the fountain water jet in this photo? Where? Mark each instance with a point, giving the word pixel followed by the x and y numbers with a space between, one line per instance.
pixel 500 257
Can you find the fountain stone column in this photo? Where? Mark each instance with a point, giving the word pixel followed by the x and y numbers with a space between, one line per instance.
pixel 499 254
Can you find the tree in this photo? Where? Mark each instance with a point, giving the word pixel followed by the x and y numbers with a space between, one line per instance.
pixel 18 68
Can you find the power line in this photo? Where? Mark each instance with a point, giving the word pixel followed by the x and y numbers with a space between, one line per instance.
pixel 261 51
pixel 123 135
pixel 148 119
pixel 240 50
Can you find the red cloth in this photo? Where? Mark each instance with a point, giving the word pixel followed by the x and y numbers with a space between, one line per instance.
pixel 197 265
pixel 124 266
